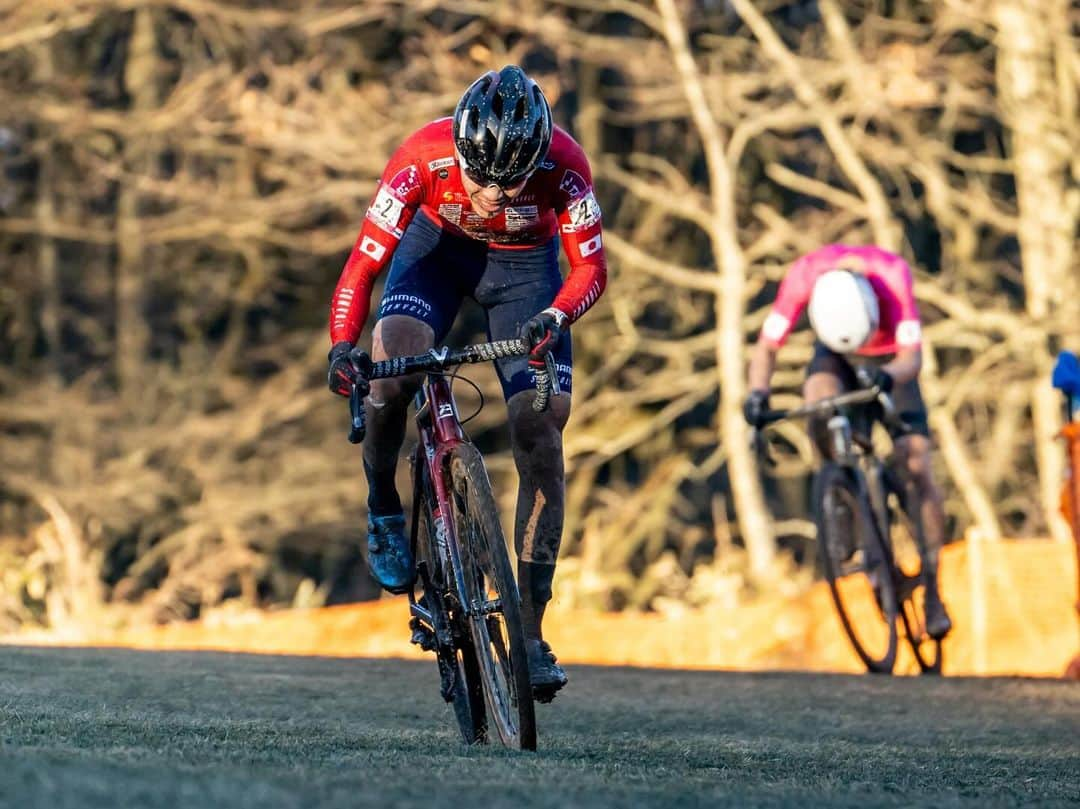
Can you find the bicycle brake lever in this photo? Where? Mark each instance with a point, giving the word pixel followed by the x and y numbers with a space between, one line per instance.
pixel 356 412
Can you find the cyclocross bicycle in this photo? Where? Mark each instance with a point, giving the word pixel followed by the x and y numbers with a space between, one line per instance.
pixel 468 611
pixel 870 531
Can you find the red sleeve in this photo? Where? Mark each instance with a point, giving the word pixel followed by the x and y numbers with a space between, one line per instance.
pixel 908 332
pixel 400 192
pixel 791 299
pixel 579 222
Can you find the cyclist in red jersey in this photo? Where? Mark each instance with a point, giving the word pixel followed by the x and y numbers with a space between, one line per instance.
pixel 475 205
pixel 861 304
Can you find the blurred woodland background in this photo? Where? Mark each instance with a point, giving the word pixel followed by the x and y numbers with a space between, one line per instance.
pixel 182 180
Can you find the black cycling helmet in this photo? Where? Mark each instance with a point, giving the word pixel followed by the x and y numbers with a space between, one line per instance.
pixel 502 127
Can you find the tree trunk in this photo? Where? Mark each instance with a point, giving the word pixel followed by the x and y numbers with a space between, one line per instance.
pixel 750 509
pixel 1047 226
pixel 132 332
pixel 45 216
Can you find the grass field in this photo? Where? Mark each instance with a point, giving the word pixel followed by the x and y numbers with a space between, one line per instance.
pixel 111 728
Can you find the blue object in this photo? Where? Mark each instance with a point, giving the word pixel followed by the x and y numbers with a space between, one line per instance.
pixel 1066 376
pixel 390 558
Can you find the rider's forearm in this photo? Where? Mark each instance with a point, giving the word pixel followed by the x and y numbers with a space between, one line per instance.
pixel 583 287
pixel 762 365
pixel 350 304
pixel 905 366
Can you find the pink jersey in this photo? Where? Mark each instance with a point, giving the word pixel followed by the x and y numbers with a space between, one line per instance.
pixel 888 274
pixel 424 174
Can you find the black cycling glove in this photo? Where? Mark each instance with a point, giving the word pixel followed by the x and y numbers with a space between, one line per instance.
pixel 755 407
pixel 542 332
pixel 348 368
pixel 870 377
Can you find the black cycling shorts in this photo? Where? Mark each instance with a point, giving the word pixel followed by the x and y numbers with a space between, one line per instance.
pixel 906 396
pixel 433 271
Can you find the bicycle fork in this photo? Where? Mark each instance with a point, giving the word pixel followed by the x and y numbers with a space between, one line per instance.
pixel 866 472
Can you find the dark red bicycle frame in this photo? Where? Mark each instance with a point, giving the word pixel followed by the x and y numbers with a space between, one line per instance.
pixel 440 433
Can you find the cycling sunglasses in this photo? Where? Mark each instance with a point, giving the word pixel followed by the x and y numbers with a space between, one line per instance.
pixel 507 185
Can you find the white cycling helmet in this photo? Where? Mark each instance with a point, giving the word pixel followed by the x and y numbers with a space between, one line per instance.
pixel 843 310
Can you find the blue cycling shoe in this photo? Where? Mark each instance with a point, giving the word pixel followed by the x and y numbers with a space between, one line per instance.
pixel 390 558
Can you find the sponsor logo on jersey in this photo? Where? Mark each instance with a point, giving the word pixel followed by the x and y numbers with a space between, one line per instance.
pixel 585 212
pixel 521 216
pixel 547 165
pixel 370 247
pixel 573 184
pixel 406 180
pixel 450 212
pixel 443 174
pixel 441 163
pixel 591 246
pixel 448 196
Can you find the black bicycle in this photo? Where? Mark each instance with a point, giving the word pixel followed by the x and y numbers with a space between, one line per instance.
pixel 870 533
pixel 468 610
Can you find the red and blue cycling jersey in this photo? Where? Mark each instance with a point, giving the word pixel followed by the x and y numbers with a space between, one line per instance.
pixel 888 274
pixel 424 175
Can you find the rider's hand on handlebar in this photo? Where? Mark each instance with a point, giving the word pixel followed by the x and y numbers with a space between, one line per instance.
pixel 755 407
pixel 871 377
pixel 542 332
pixel 348 367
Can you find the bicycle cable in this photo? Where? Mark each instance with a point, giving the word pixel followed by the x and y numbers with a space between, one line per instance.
pixel 455 375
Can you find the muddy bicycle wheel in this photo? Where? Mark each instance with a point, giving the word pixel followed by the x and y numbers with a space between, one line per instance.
pixel 459 672
pixel 857 567
pixel 909 552
pixel 494 608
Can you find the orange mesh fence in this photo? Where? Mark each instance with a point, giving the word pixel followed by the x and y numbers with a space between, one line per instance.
pixel 1011 603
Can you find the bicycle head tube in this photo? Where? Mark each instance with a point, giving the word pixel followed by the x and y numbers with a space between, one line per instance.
pixel 840 440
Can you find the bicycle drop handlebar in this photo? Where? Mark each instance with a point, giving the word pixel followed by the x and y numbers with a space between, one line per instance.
pixel 862 396
pixel 829 405
pixel 440 359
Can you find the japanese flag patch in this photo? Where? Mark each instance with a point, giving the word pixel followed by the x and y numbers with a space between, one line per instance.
pixel 369 247
pixel 591 246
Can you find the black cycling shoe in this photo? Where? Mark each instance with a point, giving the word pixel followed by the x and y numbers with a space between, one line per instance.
pixel 545 675
pixel 938 622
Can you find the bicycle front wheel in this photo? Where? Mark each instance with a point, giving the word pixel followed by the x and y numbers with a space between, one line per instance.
pixel 459 673
pixel 857 566
pixel 493 605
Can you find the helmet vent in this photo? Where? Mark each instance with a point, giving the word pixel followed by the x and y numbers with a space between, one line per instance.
pixel 502 126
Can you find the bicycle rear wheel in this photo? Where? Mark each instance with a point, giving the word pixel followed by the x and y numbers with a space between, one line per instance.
pixel 493 608
pixel 909 552
pixel 459 673
pixel 857 567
